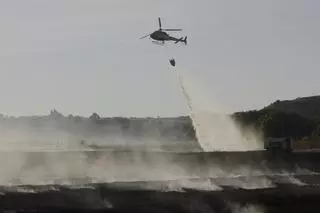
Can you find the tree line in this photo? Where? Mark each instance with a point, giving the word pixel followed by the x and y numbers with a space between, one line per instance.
pixel 276 123
pixel 271 122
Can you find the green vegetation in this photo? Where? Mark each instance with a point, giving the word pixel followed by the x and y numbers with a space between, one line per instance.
pixel 308 107
pixel 299 118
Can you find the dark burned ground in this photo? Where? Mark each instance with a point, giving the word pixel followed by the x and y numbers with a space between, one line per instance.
pixel 282 197
pixel 103 199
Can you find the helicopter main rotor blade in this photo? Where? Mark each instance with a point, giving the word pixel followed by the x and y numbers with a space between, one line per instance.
pixel 145 36
pixel 160 23
pixel 172 29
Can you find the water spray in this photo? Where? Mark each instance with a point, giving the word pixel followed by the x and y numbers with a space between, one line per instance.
pixel 187 101
pixel 214 131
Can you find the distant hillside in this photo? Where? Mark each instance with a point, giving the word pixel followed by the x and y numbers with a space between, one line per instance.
pixel 98 131
pixel 308 107
pixel 299 118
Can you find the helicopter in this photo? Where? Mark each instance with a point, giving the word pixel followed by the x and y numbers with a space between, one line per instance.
pixel 162 36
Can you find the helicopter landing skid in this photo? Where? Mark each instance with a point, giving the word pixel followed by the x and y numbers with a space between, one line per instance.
pixel 158 43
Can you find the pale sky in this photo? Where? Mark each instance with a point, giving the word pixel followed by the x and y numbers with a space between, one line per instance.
pixel 84 56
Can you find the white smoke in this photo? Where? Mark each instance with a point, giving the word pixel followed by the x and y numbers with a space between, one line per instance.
pixel 215 130
pixel 295 181
pixel 247 209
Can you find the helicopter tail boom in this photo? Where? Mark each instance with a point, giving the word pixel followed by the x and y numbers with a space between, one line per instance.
pixel 184 40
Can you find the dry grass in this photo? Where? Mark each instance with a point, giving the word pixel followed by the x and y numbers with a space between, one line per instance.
pixel 307 143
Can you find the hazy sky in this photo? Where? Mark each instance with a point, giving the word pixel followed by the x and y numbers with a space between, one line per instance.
pixel 84 56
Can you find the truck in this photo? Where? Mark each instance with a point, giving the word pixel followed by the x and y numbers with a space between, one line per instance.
pixel 283 144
